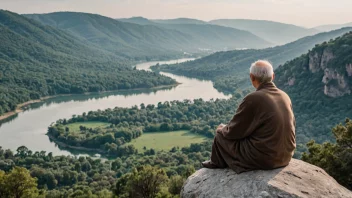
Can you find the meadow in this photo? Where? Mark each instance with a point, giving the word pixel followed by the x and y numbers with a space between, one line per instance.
pixel 74 127
pixel 166 140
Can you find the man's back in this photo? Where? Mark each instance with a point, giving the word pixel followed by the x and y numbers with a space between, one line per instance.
pixel 262 133
pixel 274 135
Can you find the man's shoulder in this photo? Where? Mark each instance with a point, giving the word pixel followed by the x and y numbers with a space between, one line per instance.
pixel 255 95
pixel 261 94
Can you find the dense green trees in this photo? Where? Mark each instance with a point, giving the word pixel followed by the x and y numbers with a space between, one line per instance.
pixel 18 183
pixel 125 124
pixel 144 182
pixel 38 61
pixel 316 113
pixel 129 176
pixel 67 176
pixel 334 158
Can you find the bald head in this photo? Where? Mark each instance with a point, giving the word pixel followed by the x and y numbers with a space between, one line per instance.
pixel 262 71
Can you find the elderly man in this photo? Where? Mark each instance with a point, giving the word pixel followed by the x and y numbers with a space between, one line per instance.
pixel 261 135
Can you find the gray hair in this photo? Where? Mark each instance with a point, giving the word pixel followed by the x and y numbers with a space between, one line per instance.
pixel 262 70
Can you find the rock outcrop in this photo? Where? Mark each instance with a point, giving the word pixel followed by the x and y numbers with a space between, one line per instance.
pixel 298 179
pixel 335 84
pixel 349 69
pixel 319 62
pixel 314 62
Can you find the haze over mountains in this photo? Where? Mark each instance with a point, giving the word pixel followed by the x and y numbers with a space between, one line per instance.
pixel 135 40
pixel 275 32
pixel 332 27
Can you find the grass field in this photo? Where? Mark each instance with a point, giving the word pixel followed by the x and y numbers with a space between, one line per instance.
pixel 74 127
pixel 166 140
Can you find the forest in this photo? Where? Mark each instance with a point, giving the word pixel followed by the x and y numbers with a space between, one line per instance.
pixel 38 61
pixel 198 116
pixel 316 112
pixel 125 124
pixel 67 176
pixel 36 174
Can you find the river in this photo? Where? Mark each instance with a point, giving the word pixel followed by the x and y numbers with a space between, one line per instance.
pixel 28 128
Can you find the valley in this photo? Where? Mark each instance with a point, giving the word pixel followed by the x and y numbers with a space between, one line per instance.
pixel 19 130
pixel 90 104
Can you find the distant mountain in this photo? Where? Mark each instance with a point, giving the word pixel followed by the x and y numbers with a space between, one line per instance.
pixel 229 69
pixel 320 86
pixel 179 21
pixel 207 36
pixel 38 61
pixel 274 32
pixel 220 37
pixel 326 28
pixel 138 20
pixel 151 41
pixel 124 39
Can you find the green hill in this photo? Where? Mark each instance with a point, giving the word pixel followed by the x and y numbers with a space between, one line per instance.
pixel 319 84
pixel 145 41
pixel 274 32
pixel 207 36
pixel 229 69
pixel 37 61
pixel 124 39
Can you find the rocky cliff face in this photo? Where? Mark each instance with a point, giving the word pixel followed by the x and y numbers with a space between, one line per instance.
pixel 335 83
pixel 349 69
pixel 298 179
pixel 318 61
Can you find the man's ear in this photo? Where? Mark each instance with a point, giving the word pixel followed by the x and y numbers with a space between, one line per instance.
pixel 273 76
pixel 252 77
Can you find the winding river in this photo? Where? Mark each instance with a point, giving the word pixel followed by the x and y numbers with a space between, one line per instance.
pixel 29 127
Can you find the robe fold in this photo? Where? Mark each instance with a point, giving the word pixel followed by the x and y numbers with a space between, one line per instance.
pixel 261 135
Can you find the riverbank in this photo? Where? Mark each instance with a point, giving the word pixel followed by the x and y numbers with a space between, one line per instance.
pixel 78 148
pixel 20 107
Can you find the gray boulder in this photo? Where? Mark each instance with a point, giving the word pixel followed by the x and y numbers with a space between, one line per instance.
pixel 298 179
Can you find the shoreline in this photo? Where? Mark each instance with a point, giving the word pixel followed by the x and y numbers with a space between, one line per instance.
pixel 20 107
pixel 78 148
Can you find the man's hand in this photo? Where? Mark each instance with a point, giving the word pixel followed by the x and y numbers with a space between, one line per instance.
pixel 218 130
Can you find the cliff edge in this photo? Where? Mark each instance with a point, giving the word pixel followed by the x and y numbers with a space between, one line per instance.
pixel 298 179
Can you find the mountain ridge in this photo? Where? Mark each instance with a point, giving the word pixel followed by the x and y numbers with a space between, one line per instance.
pixel 275 32
pixel 130 39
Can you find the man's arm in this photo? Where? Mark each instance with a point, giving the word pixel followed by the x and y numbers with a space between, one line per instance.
pixel 242 123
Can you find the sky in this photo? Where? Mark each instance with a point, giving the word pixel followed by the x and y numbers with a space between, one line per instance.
pixel 307 13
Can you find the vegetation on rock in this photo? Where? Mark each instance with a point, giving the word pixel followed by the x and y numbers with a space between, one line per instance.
pixel 334 158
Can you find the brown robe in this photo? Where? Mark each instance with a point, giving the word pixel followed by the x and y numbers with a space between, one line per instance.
pixel 261 135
